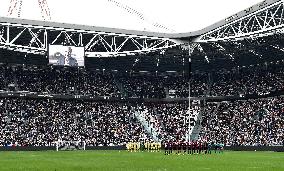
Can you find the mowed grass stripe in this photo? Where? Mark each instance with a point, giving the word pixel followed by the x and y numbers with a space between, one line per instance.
pixel 138 161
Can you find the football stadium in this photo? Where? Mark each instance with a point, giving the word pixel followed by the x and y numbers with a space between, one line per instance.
pixel 81 95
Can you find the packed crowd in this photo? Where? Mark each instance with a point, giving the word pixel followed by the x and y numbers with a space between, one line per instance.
pixel 245 123
pixel 59 80
pixel 257 80
pixel 257 122
pixel 143 86
pixel 2 77
pixel 43 122
pixel 169 120
pixel 253 80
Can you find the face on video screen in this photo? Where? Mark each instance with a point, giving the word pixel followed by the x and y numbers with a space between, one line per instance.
pixel 66 55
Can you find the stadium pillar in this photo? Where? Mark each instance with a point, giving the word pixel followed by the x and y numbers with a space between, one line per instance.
pixel 8 34
pixel 189 106
pixel 45 39
pixel 191 47
pixel 80 39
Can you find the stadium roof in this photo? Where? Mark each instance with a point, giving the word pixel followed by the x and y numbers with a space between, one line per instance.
pixel 211 54
pixel 131 32
pixel 179 15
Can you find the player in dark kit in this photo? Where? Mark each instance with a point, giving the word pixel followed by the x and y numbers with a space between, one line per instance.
pixel 170 147
pixel 184 147
pixel 191 147
pixel 195 147
pixel 199 147
pixel 167 149
pixel 188 147
pixel 175 147
pixel 179 146
pixel 205 147
pixel 210 146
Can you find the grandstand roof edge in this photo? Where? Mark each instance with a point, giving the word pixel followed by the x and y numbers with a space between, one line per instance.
pixel 188 35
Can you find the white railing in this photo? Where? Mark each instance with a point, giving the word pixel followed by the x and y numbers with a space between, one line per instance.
pixel 149 127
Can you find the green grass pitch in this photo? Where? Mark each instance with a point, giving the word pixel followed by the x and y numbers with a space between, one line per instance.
pixel 139 161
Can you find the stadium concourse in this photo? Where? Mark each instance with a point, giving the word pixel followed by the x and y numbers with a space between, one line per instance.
pixel 257 120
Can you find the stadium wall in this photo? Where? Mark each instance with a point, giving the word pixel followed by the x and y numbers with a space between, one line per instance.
pixel 33 95
pixel 256 148
pixel 33 148
pixel 230 148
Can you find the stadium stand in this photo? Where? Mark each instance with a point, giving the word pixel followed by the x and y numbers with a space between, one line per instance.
pixel 254 122
pixel 41 122
pixel 168 118
pixel 60 80
pixel 253 80
pixel 258 122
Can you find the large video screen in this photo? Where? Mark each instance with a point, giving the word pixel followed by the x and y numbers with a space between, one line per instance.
pixel 66 55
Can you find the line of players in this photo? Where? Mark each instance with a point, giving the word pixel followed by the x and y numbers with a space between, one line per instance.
pixel 194 147
pixel 144 146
